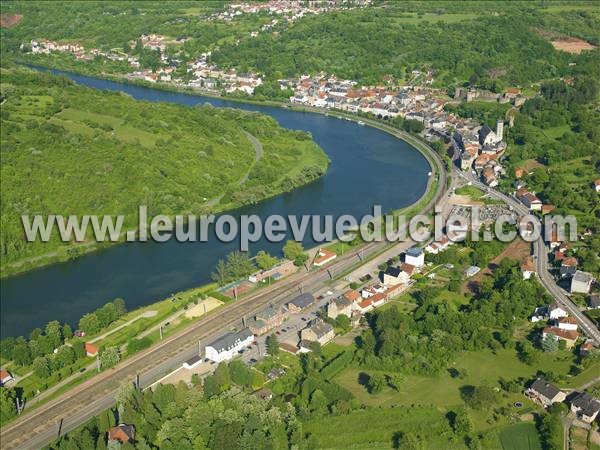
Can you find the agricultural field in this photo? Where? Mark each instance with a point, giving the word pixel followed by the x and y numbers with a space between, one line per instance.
pixel 521 436
pixel 378 428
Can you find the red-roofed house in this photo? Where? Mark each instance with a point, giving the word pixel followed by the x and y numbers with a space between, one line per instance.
pixel 90 349
pixel 570 261
pixel 394 291
pixel 530 200
pixel 408 268
pixel 569 336
pixel 122 433
pixel 5 377
pixel 519 172
pixel 527 268
pixel 365 306
pixel 352 295
pixel 324 256
pixel 567 323
pixel 377 299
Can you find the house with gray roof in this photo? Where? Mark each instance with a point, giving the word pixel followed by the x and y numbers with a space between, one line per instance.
pixel 585 407
pixel 545 393
pixel 226 347
pixel 300 303
pixel 267 319
pixel 319 331
pixel 581 282
pixel 340 305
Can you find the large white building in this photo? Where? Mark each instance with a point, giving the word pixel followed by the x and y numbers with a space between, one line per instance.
pixel 226 347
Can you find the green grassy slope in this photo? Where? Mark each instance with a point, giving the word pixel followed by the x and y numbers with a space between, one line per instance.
pixel 67 150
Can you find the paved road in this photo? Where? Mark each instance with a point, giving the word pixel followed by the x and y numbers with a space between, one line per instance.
pixel 540 253
pixel 41 426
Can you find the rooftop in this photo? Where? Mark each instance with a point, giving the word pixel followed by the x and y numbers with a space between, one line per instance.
pixel 230 340
pixel 302 301
pixel 582 277
pixel 320 328
pixel 588 404
pixel 544 388
pixel 414 252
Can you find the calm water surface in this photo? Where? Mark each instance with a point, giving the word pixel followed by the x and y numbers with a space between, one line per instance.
pixel 368 167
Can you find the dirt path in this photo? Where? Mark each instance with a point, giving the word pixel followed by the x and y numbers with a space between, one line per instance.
pixel 258 153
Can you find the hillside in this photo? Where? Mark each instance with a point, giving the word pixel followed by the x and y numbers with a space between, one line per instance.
pixel 68 149
pixel 479 42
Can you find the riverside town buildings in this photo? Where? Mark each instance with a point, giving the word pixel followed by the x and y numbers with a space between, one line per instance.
pixel 227 346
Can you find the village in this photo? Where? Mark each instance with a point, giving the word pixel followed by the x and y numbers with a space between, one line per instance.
pixel 480 148
pixel 306 319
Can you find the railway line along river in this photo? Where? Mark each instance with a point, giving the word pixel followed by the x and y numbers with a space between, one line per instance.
pixel 368 167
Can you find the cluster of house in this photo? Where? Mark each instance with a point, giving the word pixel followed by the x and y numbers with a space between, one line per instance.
pixel 288 10
pixel 46 46
pixel 560 326
pixel 228 346
pixel 393 280
pixel 579 282
pixel 530 199
pixel 352 303
pixel 480 149
pixel 386 101
pixel 209 76
pixel 583 405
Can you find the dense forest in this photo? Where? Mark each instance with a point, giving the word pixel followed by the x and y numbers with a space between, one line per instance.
pixel 68 150
pixel 478 42
pixel 366 45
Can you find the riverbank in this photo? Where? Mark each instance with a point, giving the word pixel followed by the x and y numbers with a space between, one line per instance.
pixel 142 272
pixel 74 251
pixel 209 168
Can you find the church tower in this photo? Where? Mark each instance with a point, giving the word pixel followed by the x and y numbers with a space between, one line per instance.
pixel 500 129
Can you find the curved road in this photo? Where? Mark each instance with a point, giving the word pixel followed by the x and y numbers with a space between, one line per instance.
pixel 60 415
pixel 540 254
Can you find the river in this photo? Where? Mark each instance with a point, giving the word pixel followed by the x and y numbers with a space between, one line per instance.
pixel 368 167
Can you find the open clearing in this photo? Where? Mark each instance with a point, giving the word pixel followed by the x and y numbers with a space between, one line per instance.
pixel 203 307
pixel 521 436
pixel 480 368
pixel 572 45
pixel 518 249
pixel 10 20
pixel 352 431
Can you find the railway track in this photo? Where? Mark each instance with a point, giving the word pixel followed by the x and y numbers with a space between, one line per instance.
pixel 48 421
